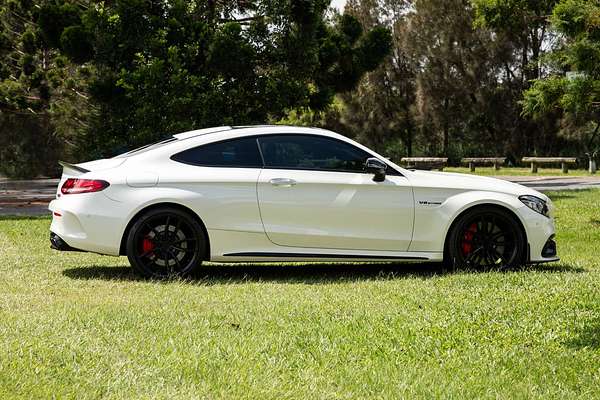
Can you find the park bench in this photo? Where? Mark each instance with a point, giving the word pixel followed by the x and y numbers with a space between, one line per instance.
pixel 495 161
pixel 425 162
pixel 564 162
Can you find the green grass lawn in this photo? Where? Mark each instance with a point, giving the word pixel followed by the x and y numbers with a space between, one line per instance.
pixel 76 325
pixel 490 171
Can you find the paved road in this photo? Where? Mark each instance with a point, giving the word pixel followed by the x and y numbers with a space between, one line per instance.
pixel 30 198
pixel 554 183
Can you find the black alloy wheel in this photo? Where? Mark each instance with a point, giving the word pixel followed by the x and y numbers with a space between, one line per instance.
pixel 486 237
pixel 165 242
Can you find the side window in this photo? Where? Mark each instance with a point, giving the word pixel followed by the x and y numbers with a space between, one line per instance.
pixel 311 152
pixel 241 153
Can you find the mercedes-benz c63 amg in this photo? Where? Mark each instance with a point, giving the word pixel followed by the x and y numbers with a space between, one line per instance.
pixel 279 193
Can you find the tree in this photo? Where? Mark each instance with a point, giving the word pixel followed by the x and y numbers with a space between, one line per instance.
pixel 573 86
pixel 438 92
pixel 521 32
pixel 38 91
pixel 165 67
pixel 380 111
pixel 455 72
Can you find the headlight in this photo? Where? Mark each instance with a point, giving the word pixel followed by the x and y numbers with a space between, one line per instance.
pixel 535 203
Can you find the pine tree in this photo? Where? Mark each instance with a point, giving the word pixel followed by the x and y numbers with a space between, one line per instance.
pixel 166 67
pixel 572 85
pixel 40 91
pixel 521 30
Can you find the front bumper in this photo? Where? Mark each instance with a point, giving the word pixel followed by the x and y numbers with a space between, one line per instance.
pixel 548 253
pixel 549 249
pixel 540 236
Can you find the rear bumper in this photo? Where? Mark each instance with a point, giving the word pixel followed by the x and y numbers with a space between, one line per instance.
pixel 87 222
pixel 57 243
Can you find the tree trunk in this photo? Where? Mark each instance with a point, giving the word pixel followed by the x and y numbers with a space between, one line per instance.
pixel 446 128
pixel 211 4
pixel 590 144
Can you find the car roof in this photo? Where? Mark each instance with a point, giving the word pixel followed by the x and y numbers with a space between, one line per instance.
pixel 242 130
pixel 198 132
pixel 218 133
pixel 200 137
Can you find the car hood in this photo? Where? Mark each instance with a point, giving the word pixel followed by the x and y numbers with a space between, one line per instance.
pixel 449 180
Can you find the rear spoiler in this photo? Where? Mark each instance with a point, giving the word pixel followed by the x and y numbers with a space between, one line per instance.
pixel 72 168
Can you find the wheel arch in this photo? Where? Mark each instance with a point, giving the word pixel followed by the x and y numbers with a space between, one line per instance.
pixel 181 207
pixel 511 213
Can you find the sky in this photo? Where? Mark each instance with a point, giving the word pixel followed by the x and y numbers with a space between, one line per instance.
pixel 338 4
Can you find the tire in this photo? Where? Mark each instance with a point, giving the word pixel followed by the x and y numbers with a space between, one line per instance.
pixel 166 242
pixel 486 237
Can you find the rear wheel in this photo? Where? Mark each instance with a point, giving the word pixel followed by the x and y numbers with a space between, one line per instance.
pixel 165 242
pixel 486 237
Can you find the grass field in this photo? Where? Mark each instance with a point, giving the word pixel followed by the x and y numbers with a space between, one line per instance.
pixel 76 325
pixel 490 171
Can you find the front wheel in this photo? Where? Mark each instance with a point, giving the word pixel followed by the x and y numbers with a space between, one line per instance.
pixel 486 237
pixel 165 242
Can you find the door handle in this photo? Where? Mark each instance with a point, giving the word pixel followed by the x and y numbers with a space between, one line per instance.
pixel 283 182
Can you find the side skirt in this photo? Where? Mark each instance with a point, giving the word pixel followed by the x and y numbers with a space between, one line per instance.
pixel 324 256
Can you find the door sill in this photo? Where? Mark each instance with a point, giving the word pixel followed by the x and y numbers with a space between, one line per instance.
pixel 319 255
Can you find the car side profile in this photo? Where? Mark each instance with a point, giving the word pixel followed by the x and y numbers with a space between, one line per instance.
pixel 282 193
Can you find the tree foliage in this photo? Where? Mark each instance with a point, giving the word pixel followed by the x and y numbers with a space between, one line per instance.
pixel 378 111
pixel 407 77
pixel 450 87
pixel 522 31
pixel 40 102
pixel 573 85
pixel 165 67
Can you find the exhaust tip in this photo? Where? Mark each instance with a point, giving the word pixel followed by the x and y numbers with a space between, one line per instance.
pixel 57 243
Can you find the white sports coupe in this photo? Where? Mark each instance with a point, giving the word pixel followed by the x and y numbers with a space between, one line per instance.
pixel 280 193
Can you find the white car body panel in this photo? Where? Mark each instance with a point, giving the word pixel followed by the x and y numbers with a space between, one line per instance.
pixel 336 210
pixel 323 216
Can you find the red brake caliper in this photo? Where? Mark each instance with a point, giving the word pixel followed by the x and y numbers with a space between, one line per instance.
pixel 467 245
pixel 147 245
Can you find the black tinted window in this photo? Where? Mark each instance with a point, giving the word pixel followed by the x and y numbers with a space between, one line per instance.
pixel 311 152
pixel 231 153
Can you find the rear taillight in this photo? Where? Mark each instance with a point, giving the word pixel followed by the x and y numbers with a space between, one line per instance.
pixel 74 186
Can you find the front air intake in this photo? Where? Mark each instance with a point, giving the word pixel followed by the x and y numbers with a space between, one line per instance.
pixel 549 249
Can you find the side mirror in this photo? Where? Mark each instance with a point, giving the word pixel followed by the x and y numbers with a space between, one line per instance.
pixel 377 167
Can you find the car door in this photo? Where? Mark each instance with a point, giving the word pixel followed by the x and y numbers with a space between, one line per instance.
pixel 218 181
pixel 313 192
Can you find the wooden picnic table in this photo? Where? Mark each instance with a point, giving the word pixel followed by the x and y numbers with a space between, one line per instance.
pixel 564 162
pixel 495 161
pixel 425 162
